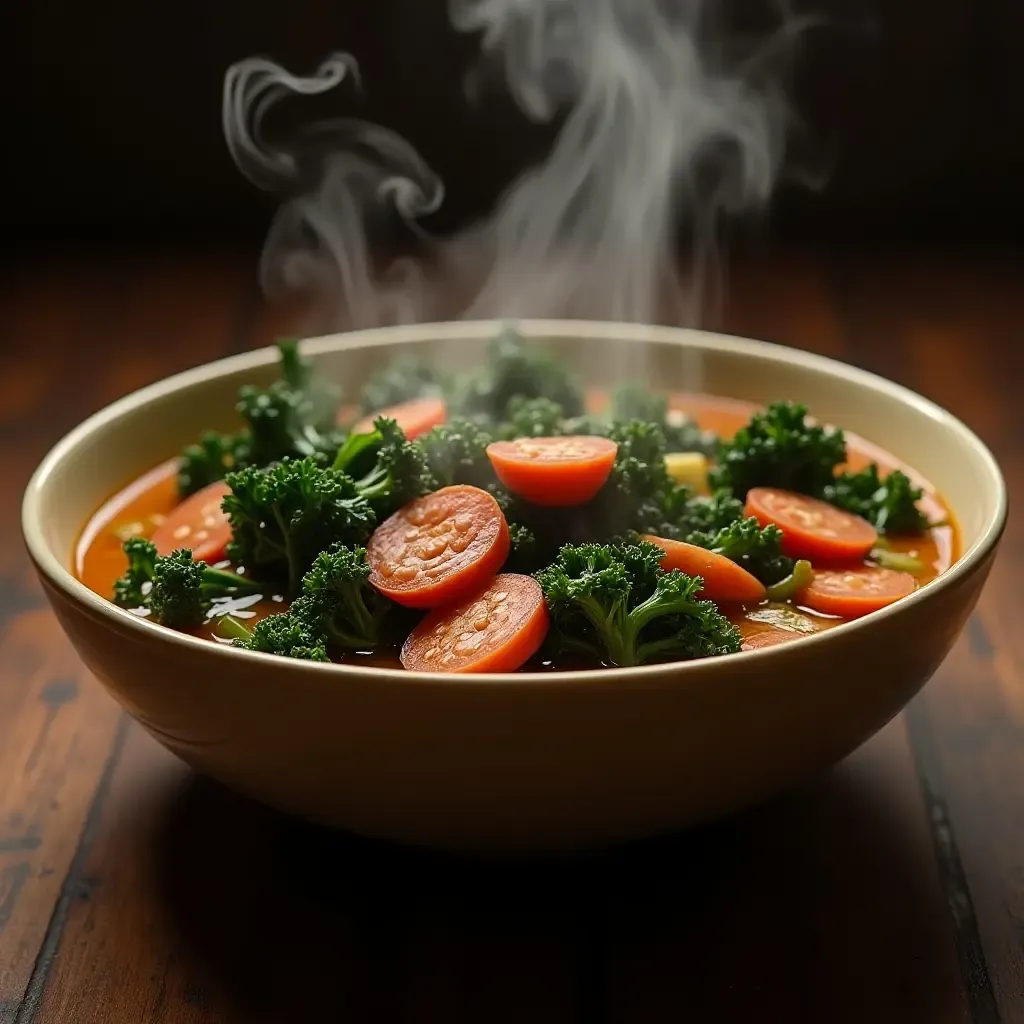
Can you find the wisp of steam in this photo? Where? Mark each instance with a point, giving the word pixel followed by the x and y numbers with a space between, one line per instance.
pixel 662 130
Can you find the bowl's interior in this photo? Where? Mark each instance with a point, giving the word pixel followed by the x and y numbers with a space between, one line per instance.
pixel 136 433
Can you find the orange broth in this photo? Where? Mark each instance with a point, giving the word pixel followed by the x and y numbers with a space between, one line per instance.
pixel 139 508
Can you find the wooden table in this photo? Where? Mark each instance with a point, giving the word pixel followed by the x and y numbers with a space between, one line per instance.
pixel 133 891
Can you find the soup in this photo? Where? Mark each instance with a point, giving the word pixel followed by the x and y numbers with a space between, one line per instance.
pixel 534 568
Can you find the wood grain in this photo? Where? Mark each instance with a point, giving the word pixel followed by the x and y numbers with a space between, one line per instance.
pixel 955 336
pixel 131 890
pixel 86 332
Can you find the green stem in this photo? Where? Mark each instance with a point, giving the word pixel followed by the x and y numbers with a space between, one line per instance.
pixel 229 582
pixel 897 560
pixel 354 445
pixel 799 579
pixel 230 628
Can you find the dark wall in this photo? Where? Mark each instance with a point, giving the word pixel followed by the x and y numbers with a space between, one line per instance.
pixel 112 110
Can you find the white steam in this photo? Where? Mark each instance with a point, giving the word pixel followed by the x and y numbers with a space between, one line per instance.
pixel 660 134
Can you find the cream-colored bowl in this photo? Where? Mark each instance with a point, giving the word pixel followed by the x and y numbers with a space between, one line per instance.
pixel 519 762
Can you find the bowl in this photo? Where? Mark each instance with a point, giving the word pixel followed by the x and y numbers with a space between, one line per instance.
pixel 542 762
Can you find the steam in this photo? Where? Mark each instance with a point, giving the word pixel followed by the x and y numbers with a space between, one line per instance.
pixel 661 131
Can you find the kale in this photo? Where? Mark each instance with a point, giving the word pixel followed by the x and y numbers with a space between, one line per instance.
pixel 779 448
pixel 339 604
pixel 176 590
pixel 292 418
pixel 282 634
pixel 614 603
pixel 756 548
pixel 533 417
pixel 635 401
pixel 889 503
pixel 514 369
pixel 282 517
pixel 405 377
pixel 208 461
pixel 456 453
pixel 397 473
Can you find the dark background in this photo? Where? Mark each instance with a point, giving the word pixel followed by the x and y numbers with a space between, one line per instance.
pixel 112 113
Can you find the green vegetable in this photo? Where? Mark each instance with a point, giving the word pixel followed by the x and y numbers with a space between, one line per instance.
pixel 456 453
pixel 639 489
pixel 897 560
pixel 744 541
pixel 889 504
pixel 533 417
pixel 405 377
pixel 788 588
pixel 284 516
pixel 634 401
pixel 779 448
pixel 338 603
pixel 176 590
pixel 280 426
pixel 514 369
pixel 292 418
pixel 524 557
pixel 398 468
pixel 613 602
pixel 207 462
pixel 320 397
pixel 711 514
pixel 283 634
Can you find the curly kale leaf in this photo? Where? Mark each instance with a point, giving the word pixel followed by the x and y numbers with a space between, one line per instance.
pixel 514 369
pixel 889 503
pixel 758 549
pixel 284 635
pixel 456 453
pixel 614 603
pixel 282 517
pixel 339 604
pixel 176 590
pixel 405 377
pixel 635 401
pixel 779 448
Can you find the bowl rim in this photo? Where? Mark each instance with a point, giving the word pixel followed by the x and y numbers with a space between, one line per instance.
pixel 64 580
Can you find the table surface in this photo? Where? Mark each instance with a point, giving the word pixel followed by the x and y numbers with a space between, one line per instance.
pixel 131 890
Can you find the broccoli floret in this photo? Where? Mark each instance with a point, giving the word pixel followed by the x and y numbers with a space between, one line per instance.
pixel 779 448
pixel 175 589
pixel 398 472
pixel 456 453
pixel 407 376
pixel 634 401
pixel 282 634
pixel 282 517
pixel 758 549
pixel 132 589
pixel 616 604
pixel 890 504
pixel 533 417
pixel 339 604
pixel 513 369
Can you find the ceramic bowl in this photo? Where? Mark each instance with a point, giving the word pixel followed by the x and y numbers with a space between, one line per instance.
pixel 527 762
